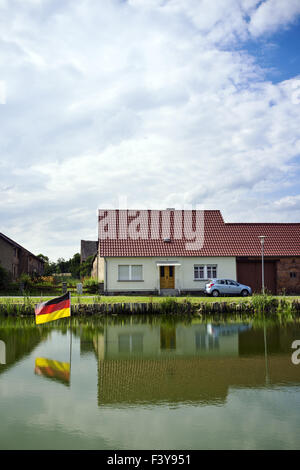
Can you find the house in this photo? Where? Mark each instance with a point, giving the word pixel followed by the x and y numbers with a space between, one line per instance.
pixel 178 251
pixel 17 260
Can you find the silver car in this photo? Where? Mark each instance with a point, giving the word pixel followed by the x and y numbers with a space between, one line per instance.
pixel 217 287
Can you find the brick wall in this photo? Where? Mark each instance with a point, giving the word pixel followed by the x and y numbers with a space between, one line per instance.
pixel 35 266
pixel 29 264
pixel 9 257
pixel 17 260
pixel 288 275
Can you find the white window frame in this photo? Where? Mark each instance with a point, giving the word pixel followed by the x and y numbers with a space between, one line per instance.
pixel 205 271
pixel 130 279
pixel 212 267
pixel 198 266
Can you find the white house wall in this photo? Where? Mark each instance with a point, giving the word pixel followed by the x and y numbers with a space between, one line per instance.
pixel 184 274
pixel 151 347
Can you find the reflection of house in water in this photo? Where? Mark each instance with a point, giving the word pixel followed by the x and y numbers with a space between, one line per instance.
pixel 159 341
pixel 152 363
pixel 142 363
pixel 195 363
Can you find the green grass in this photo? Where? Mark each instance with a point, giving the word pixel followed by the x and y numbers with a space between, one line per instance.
pixel 84 299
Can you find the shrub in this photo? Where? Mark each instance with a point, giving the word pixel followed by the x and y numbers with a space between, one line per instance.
pixel 169 305
pixel 264 303
pixel 26 280
pixel 86 266
pixel 91 285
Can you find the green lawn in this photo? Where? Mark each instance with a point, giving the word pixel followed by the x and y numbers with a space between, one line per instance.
pixel 135 299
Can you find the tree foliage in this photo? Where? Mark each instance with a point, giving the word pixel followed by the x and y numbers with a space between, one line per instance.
pixel 73 266
pixel 86 267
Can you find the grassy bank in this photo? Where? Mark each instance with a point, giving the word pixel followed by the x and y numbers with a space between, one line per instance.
pixel 201 306
pixel 257 300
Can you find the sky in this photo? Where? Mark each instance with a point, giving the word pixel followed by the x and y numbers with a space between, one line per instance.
pixel 145 104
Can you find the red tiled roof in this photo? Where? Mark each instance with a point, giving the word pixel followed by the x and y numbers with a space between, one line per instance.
pixel 142 233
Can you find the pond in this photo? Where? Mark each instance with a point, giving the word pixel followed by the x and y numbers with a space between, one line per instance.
pixel 148 383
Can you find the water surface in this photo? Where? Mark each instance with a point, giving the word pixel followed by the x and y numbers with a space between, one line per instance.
pixel 148 383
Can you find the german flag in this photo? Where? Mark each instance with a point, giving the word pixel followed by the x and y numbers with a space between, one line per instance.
pixel 60 307
pixel 55 370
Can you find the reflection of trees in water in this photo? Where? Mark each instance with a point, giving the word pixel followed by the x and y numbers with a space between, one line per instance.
pixel 278 339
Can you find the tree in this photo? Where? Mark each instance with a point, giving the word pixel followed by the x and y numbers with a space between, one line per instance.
pixel 86 266
pixel 49 266
pixel 62 266
pixel 74 266
pixel 43 258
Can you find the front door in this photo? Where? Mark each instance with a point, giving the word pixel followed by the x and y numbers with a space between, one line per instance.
pixel 167 277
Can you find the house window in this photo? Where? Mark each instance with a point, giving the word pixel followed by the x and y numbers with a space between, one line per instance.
pixel 292 275
pixel 200 340
pixel 136 272
pixel 132 272
pixel 123 273
pixel 205 341
pixel 208 271
pixel 212 271
pixel 131 343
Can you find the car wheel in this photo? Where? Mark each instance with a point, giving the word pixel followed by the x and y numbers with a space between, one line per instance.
pixel 244 293
pixel 215 293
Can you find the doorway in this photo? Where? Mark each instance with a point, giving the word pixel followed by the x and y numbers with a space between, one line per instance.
pixel 167 277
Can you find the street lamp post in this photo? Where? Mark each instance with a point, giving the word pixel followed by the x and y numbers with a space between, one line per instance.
pixel 262 241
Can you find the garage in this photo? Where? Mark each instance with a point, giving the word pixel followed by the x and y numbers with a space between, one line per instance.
pixel 249 273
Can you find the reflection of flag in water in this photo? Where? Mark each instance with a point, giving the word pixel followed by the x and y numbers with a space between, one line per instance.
pixel 60 307
pixel 55 370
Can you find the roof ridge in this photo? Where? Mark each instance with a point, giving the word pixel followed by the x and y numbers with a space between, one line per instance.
pixel 12 242
pixel 262 223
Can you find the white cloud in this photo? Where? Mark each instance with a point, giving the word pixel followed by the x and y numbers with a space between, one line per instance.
pixel 272 14
pixel 289 202
pixel 142 100
pixel 2 92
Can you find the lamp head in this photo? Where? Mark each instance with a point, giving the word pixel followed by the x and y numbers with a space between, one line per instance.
pixel 262 239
